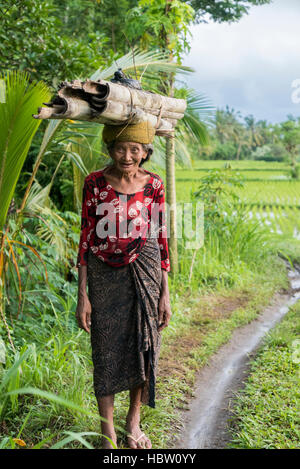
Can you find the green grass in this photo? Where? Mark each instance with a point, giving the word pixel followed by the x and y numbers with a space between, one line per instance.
pixel 267 411
pixel 253 175
pixel 241 164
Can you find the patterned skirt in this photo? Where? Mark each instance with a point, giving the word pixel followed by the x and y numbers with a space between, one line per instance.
pixel 124 322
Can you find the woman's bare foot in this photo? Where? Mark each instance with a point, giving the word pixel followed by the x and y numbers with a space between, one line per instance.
pixel 137 439
pixel 106 409
pixel 106 444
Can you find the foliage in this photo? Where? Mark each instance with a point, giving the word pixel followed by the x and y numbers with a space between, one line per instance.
pixel 20 392
pixel 295 172
pixel 56 39
pixel 223 10
pixel 290 136
pixel 31 40
pixel 270 152
pixel 227 224
pixel 216 192
pixel 223 151
pixel 160 23
pixel 236 137
pixel 17 129
pixel 88 19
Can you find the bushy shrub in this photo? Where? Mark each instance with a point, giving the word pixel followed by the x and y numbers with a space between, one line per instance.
pixel 271 152
pixel 224 151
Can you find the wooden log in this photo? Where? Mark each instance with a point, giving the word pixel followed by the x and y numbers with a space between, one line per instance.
pixel 150 102
pixel 143 99
pixel 113 114
pixel 98 104
pixel 44 113
pixel 111 103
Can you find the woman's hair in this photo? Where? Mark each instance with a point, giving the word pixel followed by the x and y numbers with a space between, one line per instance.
pixel 148 147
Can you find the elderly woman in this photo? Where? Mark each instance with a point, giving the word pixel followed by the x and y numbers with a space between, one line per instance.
pixel 123 259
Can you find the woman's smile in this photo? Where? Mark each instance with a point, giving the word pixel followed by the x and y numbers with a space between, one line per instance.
pixel 126 164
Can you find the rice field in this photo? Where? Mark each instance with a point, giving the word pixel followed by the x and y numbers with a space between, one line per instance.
pixel 268 192
pixel 242 165
pixel 248 174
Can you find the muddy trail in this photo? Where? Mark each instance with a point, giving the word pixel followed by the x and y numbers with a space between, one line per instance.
pixel 205 423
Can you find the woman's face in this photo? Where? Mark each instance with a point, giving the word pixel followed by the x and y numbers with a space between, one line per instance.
pixel 127 155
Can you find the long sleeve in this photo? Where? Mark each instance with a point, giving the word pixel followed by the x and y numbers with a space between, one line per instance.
pixel 162 236
pixel 87 223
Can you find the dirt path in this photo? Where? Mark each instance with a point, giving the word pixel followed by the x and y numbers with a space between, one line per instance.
pixel 205 423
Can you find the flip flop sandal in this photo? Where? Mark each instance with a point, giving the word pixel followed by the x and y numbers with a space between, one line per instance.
pixel 136 440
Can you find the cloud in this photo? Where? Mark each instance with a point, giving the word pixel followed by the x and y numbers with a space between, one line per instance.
pixel 250 65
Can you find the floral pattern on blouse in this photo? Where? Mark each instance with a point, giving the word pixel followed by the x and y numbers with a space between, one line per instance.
pixel 115 226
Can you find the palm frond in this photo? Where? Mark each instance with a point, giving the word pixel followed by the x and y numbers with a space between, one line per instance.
pixel 199 113
pixel 52 227
pixel 38 196
pixel 85 150
pixel 149 62
pixel 17 128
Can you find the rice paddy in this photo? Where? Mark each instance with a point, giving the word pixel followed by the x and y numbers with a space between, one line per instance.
pixel 267 193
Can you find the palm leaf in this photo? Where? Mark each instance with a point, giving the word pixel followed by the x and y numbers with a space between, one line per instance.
pixel 48 136
pixel 17 128
pixel 149 62
pixel 198 115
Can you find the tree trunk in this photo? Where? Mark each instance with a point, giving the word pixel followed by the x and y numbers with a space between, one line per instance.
pixel 238 151
pixel 170 168
pixel 171 201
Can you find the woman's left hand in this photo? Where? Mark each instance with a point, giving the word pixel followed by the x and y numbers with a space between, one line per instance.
pixel 164 310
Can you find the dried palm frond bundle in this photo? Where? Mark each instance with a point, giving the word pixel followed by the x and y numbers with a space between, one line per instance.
pixel 113 102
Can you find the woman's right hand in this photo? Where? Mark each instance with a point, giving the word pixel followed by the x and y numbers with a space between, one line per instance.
pixel 83 313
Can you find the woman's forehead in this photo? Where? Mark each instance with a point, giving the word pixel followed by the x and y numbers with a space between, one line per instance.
pixel 128 143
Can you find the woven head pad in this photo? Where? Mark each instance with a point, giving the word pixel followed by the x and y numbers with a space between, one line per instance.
pixel 143 132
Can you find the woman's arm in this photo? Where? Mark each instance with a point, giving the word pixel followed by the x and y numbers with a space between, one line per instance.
pixel 162 233
pixel 83 310
pixel 164 307
pixel 88 218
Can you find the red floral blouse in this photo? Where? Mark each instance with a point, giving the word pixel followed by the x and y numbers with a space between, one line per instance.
pixel 115 225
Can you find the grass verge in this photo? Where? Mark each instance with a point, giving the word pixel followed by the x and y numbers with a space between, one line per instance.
pixel 267 410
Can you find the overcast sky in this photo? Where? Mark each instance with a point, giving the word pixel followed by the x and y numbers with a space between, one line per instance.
pixel 250 65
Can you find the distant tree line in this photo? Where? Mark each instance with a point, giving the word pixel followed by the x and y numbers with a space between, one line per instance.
pixel 234 137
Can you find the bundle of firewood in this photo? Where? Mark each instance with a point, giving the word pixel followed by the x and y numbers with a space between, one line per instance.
pixel 115 103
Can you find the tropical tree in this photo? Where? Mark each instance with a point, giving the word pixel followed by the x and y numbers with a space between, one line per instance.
pixel 223 10
pixel 290 136
pixel 230 130
pixel 255 137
